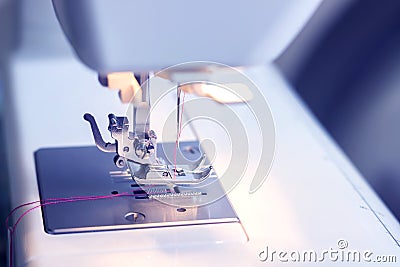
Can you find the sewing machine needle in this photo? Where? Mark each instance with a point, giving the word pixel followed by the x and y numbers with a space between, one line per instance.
pixel 178 117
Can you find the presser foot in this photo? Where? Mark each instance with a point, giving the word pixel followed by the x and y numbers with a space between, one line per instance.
pixel 138 152
pixel 160 173
pixel 167 174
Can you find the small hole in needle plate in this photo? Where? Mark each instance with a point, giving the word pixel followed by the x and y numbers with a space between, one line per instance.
pixel 135 216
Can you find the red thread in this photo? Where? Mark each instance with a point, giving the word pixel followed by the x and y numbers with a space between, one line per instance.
pixel 52 201
pixel 43 203
pixel 178 135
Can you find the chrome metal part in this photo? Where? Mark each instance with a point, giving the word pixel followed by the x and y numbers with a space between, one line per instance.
pixel 137 150
pixel 88 172
pixel 98 140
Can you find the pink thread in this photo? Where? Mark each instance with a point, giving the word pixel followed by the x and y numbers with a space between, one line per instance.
pixel 17 208
pixel 43 203
pixel 37 201
pixel 178 135
pixel 52 201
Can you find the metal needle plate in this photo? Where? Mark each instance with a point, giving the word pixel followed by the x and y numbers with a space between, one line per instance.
pixel 86 171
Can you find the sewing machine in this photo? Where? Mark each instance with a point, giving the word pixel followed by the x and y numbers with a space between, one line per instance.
pixel 278 182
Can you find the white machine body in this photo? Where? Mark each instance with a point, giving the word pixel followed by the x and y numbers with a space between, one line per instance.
pixel 126 35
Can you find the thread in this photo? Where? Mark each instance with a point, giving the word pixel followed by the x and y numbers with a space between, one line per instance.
pixel 52 201
pixel 42 203
pixel 178 135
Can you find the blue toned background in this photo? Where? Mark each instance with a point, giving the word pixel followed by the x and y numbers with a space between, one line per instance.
pixel 346 66
pixel 8 37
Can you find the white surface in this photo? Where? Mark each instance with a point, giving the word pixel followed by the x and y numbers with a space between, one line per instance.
pixel 312 198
